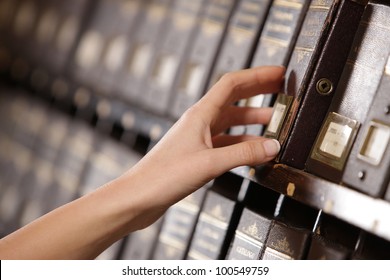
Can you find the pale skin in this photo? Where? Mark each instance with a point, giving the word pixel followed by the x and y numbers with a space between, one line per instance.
pixel 192 153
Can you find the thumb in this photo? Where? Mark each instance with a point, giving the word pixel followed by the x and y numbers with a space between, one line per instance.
pixel 253 152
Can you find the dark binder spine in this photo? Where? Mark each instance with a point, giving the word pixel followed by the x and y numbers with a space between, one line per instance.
pixel 250 236
pixel 217 220
pixel 275 45
pixel 125 19
pixel 315 101
pixel 371 247
pixel 71 164
pixel 169 57
pixel 289 235
pixel 333 239
pixel 56 34
pixel 354 96
pixel 200 62
pixel 241 39
pixel 140 245
pixel 137 67
pixel 24 121
pixel 307 50
pixel 368 164
pixel 178 226
pixel 387 195
pixel 41 177
pixel 254 225
pixel 101 41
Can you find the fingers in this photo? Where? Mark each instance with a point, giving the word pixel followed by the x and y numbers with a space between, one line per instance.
pixel 252 152
pixel 227 140
pixel 241 116
pixel 243 84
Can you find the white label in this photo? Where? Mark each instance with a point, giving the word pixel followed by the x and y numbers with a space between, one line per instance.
pixel 46 26
pixel 165 70
pixel 256 101
pixel 277 117
pixel 271 254
pixel 66 34
pixel 336 139
pixel 90 49
pixel 192 79
pixel 375 144
pixel 140 60
pixel 115 53
pixel 387 69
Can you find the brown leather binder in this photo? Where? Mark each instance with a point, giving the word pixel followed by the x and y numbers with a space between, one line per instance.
pixel 309 83
pixel 217 220
pixel 137 66
pixel 250 236
pixel 170 55
pixel 274 47
pixel 315 101
pixel 286 242
pixel 254 225
pixel 241 39
pixel 367 168
pixel 201 58
pixel 178 226
pixel 103 45
pixel 354 96
pixel 332 239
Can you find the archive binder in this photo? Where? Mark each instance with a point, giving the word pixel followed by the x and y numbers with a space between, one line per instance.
pixel 199 63
pixel 241 38
pixel 274 47
pixel 326 23
pixel 368 164
pixel 169 57
pixel 217 220
pixel 348 110
pixel 178 226
pixel 255 222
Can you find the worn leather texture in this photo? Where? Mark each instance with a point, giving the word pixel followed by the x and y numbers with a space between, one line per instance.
pixel 289 241
pixel 203 54
pixel 305 55
pixel 373 177
pixel 361 76
pixel 251 234
pixel 282 26
pixel 313 104
pixel 241 39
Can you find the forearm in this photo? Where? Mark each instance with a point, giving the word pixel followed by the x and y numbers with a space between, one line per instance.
pixel 85 227
pixel 79 230
pixel 194 151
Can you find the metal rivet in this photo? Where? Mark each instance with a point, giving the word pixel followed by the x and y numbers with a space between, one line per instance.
pixel 324 86
pixel 362 175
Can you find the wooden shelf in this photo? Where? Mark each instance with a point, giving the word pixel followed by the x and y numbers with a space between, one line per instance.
pixel 361 210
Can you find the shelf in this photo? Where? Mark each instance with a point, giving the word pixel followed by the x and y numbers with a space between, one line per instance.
pixel 370 214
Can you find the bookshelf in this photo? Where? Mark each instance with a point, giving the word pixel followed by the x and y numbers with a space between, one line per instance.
pixel 334 199
pixel 87 77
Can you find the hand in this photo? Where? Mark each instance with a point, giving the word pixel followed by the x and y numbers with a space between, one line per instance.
pixel 195 150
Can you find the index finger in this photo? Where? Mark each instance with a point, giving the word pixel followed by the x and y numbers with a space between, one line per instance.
pixel 244 84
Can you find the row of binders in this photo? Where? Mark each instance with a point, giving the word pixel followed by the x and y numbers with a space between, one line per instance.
pixel 48 159
pixel 133 67
pixel 131 61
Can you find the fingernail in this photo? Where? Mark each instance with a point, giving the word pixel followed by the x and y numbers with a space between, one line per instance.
pixel 271 147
